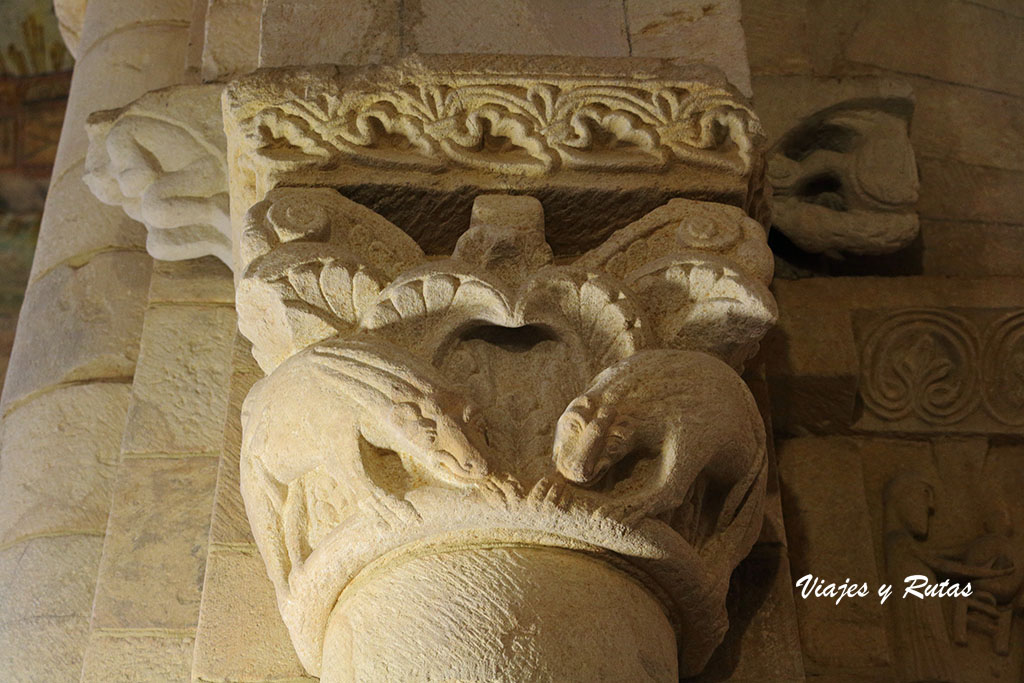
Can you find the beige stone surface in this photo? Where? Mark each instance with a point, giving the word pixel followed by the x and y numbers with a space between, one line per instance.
pixel 830 536
pixel 161 158
pixel 70 19
pixel 48 577
pixel 57 475
pixel 990 59
pixel 232 42
pixel 180 390
pixel 45 597
pixel 154 554
pixel 776 32
pixel 241 636
pixel 229 524
pixel 691 31
pixel 951 190
pixel 366 32
pixel 517 612
pixel 106 17
pixel 79 323
pixel 132 63
pixel 996 248
pixel 47 645
pixel 585 28
pixel 204 280
pixel 967 124
pixel 65 241
pixel 138 659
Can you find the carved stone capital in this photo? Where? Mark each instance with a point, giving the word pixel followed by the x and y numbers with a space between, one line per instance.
pixel 547 403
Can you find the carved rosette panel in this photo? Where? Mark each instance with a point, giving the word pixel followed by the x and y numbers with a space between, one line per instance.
pixel 491 395
pixel 937 369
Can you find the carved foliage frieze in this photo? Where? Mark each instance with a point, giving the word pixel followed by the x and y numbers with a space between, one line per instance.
pixel 420 118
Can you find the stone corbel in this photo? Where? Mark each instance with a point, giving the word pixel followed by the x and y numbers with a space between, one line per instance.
pixel 163 159
pixel 841 165
pixel 515 422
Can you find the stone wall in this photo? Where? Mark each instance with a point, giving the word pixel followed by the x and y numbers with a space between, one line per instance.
pixel 865 342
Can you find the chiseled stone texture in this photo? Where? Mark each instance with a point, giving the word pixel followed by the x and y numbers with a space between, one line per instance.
pixel 587 28
pixel 57 474
pixel 63 241
pixel 137 659
pixel 241 636
pixel 366 32
pixel 990 59
pixel 44 621
pixel 229 523
pixel 180 390
pixel 232 43
pixel 999 252
pixel 201 281
pixel 830 537
pixel 79 323
pixel 691 31
pixel 154 556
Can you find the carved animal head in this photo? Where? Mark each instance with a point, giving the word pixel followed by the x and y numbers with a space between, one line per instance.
pixel 589 439
pixel 449 430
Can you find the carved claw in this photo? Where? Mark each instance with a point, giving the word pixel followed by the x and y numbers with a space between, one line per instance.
pixel 392 511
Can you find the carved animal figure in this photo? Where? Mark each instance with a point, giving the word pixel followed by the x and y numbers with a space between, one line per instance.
pixel 340 404
pixel 660 429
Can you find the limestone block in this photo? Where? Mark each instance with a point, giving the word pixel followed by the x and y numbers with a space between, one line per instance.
pixel 315 32
pixel 70 19
pixel 815 362
pixel 951 190
pixel 50 644
pixel 204 280
pixel 989 59
pixel 154 557
pixel 229 524
pixel 62 238
pixel 241 636
pixel 763 641
pixel 967 124
pixel 232 42
pixel 106 17
pixel 59 453
pixel 48 577
pixel 995 248
pixel 79 323
pixel 587 28
pixel 180 390
pixel 691 31
pixel 126 65
pixel 44 606
pixel 137 659
pixel 776 36
pixel 830 537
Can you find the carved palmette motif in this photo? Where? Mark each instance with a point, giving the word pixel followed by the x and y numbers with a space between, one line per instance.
pixel 594 404
pixel 935 368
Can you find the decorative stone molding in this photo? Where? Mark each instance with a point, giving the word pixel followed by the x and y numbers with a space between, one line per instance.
pixel 418 141
pixel 933 369
pixel 841 166
pixel 163 159
pixel 433 421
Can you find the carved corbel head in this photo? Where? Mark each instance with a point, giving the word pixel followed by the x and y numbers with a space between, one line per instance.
pixel 841 166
